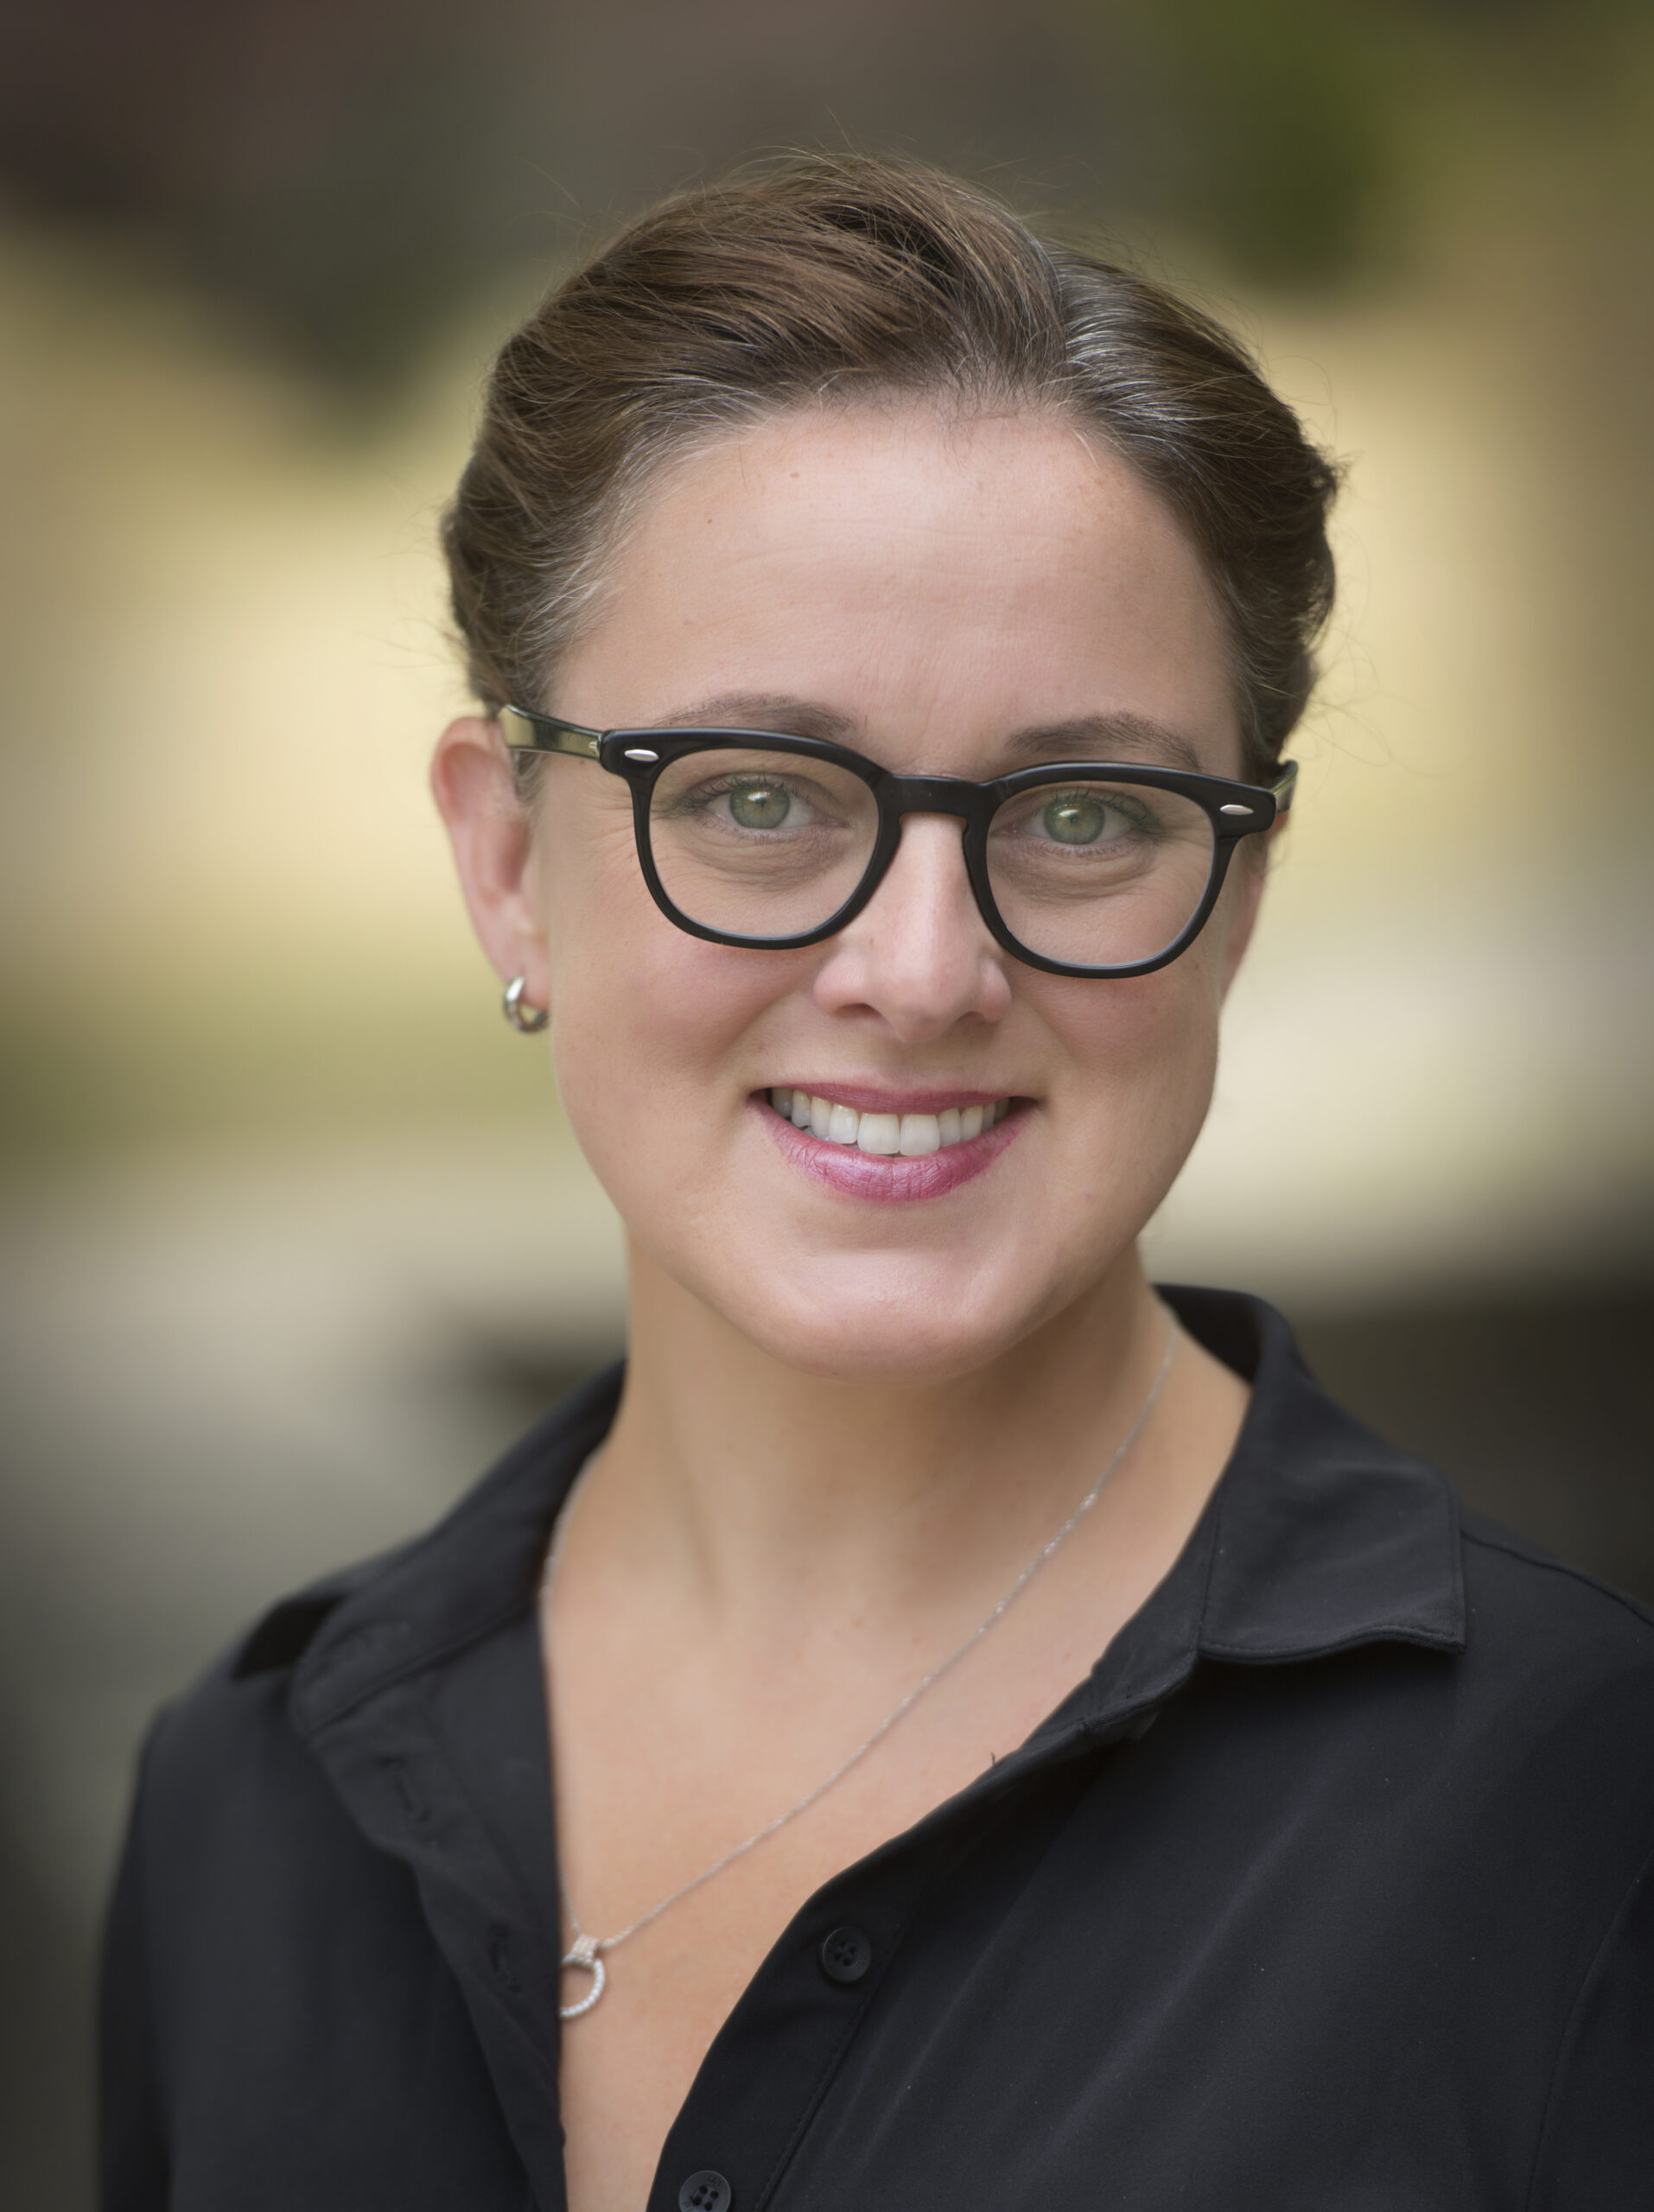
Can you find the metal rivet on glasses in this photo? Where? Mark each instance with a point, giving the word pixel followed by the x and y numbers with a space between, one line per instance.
pixel 1222 809
pixel 640 752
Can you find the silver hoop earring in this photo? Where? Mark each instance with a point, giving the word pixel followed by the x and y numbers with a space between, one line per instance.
pixel 527 1020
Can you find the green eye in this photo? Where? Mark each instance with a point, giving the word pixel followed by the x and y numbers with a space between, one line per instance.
pixel 1076 818
pixel 759 806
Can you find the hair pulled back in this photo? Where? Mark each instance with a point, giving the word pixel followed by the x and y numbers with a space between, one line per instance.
pixel 821 277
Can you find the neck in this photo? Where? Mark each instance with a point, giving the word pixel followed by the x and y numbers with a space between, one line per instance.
pixel 773 1497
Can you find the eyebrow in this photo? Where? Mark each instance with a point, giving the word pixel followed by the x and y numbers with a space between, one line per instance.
pixel 1079 737
pixel 777 711
pixel 1105 737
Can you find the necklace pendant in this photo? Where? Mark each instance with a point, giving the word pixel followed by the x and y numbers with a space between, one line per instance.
pixel 584 1953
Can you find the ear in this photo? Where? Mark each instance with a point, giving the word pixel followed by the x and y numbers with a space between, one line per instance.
pixel 471 778
pixel 1246 889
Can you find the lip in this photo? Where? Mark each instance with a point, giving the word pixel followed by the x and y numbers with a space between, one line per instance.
pixel 885 1177
pixel 876 1098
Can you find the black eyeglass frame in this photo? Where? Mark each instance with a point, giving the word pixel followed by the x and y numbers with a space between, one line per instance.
pixel 638 756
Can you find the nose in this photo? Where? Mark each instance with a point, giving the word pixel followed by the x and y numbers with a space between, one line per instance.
pixel 918 955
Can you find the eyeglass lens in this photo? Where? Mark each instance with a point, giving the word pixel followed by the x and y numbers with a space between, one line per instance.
pixel 1089 872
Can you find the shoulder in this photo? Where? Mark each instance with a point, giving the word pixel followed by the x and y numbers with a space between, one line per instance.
pixel 1539 1737
pixel 1558 1757
pixel 246 1726
pixel 225 1776
pixel 1555 1642
pixel 1518 1593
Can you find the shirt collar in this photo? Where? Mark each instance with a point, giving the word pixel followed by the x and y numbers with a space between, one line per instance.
pixel 1318 1537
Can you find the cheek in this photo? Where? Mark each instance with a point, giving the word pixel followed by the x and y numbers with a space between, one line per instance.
pixel 650 1028
pixel 1140 1057
pixel 651 997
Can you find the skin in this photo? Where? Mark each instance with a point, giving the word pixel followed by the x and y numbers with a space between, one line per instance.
pixel 847 1422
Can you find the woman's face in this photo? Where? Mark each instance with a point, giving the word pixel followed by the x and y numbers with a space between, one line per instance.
pixel 950 597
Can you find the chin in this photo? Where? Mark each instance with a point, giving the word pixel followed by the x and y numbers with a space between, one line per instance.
pixel 892 1354
pixel 914 1331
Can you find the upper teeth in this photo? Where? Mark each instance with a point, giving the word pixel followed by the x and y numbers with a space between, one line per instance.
pixel 912 1135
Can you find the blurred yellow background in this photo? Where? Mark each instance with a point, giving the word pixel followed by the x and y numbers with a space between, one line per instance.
pixel 295 1234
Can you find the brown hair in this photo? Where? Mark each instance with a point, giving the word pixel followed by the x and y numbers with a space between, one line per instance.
pixel 822 276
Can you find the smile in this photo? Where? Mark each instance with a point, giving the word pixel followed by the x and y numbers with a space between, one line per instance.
pixel 908 1136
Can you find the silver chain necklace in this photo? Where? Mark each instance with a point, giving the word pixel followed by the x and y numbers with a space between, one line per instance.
pixel 587 1951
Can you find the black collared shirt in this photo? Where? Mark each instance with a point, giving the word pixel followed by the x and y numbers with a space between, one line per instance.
pixel 1327 1890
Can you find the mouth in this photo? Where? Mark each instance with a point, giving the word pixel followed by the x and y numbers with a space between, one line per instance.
pixel 889 1135
pixel 870 1144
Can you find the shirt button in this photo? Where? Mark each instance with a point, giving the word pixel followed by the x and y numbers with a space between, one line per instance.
pixel 705 2192
pixel 846 1955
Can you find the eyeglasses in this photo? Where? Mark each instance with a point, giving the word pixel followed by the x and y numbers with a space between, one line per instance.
pixel 1081 869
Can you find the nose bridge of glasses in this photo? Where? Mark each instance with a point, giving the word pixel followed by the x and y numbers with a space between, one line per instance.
pixel 932 795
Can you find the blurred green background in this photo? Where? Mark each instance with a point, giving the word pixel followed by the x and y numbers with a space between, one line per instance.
pixel 295 1235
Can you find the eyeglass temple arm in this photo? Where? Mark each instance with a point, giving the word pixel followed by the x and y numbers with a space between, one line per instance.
pixel 527 733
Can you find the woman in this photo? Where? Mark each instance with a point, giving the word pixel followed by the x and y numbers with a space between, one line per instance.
pixel 1012 1740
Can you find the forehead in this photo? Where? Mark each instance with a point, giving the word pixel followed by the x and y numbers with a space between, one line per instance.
pixel 930 581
